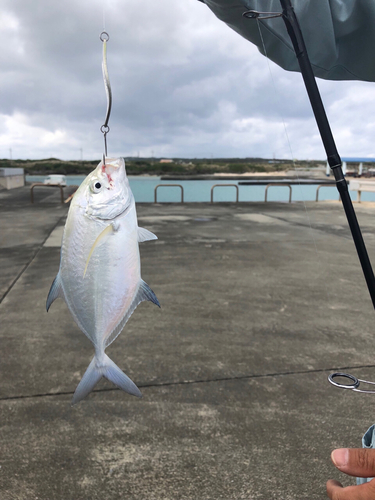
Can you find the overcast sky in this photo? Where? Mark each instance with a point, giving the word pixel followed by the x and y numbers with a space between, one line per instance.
pixel 183 83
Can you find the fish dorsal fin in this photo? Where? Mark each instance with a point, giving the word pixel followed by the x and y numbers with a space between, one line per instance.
pixel 144 293
pixel 145 235
pixel 108 230
pixel 55 292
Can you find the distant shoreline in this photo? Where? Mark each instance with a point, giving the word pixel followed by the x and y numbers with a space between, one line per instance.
pixel 184 168
pixel 194 169
pixel 269 177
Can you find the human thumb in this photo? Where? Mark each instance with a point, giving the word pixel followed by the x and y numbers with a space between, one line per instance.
pixel 355 461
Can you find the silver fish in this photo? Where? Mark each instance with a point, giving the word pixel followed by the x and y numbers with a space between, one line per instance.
pixel 100 269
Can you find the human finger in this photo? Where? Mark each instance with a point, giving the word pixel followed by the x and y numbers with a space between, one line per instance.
pixel 333 487
pixel 336 491
pixel 355 461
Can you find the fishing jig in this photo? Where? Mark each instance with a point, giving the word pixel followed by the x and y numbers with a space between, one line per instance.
pixel 104 37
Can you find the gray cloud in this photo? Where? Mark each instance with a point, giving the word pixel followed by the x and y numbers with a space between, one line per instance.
pixel 183 84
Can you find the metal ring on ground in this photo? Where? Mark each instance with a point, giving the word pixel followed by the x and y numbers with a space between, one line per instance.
pixel 344 375
pixel 106 36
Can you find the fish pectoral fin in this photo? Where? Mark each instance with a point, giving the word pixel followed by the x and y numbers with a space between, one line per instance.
pixel 55 292
pixel 145 235
pixel 108 230
pixel 145 293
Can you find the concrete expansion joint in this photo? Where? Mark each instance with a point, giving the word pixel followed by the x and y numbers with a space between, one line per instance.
pixel 202 381
pixel 27 265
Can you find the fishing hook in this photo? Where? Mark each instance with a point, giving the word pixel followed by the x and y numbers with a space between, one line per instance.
pixel 355 382
pixel 104 37
pixel 254 14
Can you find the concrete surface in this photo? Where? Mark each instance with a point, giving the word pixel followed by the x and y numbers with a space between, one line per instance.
pixel 260 302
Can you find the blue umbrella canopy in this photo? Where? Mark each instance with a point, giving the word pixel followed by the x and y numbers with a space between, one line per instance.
pixel 339 34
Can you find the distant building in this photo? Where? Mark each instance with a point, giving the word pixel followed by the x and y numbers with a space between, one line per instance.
pixel 12 177
pixel 351 160
pixel 166 160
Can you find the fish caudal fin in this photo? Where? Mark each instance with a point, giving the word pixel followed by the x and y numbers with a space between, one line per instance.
pixel 108 369
pixel 88 382
pixel 118 377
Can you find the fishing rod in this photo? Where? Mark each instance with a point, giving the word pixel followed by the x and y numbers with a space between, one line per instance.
pixel 333 156
pixel 294 31
pixel 334 160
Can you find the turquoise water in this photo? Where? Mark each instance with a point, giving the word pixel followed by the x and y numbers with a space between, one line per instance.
pixel 200 191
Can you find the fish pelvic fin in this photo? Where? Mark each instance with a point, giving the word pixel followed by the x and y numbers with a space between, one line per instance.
pixel 108 369
pixel 55 292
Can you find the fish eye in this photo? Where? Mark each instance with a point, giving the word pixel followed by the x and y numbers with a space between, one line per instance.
pixel 96 187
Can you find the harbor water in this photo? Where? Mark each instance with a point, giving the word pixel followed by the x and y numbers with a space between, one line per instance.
pixel 200 190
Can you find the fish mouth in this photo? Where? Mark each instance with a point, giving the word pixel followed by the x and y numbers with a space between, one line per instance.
pixel 109 195
pixel 110 167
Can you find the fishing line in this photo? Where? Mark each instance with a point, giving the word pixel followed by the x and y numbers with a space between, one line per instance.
pixel 104 37
pixel 104 9
pixel 287 136
pixel 334 160
pixel 276 91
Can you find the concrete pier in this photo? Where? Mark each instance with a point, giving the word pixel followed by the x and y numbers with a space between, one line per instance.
pixel 260 303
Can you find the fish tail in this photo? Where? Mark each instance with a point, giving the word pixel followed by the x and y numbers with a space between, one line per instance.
pixel 108 369
pixel 114 374
pixel 88 382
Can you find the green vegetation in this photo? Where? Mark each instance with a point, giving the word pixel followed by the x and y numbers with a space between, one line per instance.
pixel 154 166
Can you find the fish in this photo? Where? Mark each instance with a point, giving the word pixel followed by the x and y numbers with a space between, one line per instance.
pixel 100 268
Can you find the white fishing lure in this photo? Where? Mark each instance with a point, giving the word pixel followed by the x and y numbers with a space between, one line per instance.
pixel 100 269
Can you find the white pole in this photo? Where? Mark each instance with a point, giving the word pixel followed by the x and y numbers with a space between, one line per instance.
pixel 360 170
pixel 328 170
pixel 344 167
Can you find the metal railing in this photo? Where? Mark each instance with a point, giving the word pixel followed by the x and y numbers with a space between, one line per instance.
pixel 36 184
pixel 224 185
pixel 168 185
pixel 283 184
pixel 41 184
pixel 324 185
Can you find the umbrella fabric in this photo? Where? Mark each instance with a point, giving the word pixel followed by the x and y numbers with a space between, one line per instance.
pixel 339 34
